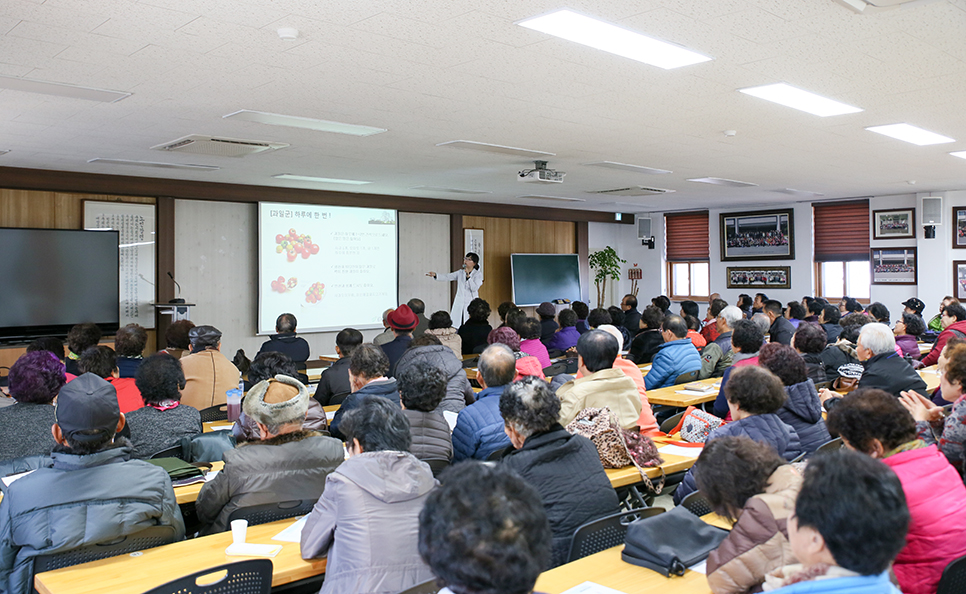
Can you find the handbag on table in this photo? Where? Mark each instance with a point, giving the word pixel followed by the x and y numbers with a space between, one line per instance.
pixel 671 542
pixel 617 447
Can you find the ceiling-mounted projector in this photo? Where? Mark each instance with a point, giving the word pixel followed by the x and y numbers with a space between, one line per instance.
pixel 541 175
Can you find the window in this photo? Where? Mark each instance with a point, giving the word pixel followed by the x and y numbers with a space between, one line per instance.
pixel 842 250
pixel 686 246
pixel 838 279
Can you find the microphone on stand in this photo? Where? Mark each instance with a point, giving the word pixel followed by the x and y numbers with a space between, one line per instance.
pixel 177 300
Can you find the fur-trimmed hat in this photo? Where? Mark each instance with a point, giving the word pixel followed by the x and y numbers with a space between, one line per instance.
pixel 277 401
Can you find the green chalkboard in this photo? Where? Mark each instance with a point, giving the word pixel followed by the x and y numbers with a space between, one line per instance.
pixel 544 277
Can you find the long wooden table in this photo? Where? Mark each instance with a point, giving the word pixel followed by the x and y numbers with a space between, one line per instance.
pixel 669 396
pixel 139 572
pixel 189 493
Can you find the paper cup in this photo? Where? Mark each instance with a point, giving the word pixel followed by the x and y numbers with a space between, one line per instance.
pixel 239 531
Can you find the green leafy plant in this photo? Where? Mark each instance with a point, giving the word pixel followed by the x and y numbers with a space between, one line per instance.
pixel 606 263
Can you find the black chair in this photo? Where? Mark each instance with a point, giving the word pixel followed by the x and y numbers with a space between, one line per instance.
pixel 697 504
pixel 172 452
pixel 252 576
pixel 798 458
pixel 270 512
pixel 953 580
pixel 831 445
pixel 437 466
pixel 687 377
pixel 153 536
pixel 671 422
pixel 218 412
pixel 604 533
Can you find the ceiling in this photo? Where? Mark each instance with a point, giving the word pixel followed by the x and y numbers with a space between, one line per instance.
pixel 431 71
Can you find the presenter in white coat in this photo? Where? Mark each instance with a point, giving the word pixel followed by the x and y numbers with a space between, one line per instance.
pixel 468 279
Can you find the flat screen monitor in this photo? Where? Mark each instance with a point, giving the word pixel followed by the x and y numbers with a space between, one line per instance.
pixel 544 277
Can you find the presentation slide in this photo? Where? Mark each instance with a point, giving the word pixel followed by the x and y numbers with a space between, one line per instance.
pixel 331 266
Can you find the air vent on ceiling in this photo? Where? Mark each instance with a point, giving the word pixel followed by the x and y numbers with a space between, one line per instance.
pixel 632 191
pixel 218 147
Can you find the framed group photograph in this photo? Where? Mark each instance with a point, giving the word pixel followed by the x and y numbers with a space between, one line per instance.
pixel 761 235
pixel 894 224
pixel 959 279
pixel 894 266
pixel 959 227
pixel 759 277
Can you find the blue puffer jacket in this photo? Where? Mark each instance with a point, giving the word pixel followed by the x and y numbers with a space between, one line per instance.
pixel 768 428
pixel 479 427
pixel 803 411
pixel 861 584
pixel 672 359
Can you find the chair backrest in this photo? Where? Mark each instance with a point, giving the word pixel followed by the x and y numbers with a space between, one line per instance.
pixel 604 533
pixel 219 412
pixel 687 377
pixel 252 576
pixel 437 466
pixel 153 536
pixel 798 458
pixel 270 512
pixel 697 504
pixel 831 445
pixel 427 587
pixel 672 422
pixel 175 451
pixel 953 580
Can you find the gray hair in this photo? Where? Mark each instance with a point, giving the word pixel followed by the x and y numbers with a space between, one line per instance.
pixel 878 338
pixel 762 321
pixel 529 406
pixel 731 315
pixel 497 365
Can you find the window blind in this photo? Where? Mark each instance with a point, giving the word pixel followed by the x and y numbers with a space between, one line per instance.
pixel 686 236
pixel 841 231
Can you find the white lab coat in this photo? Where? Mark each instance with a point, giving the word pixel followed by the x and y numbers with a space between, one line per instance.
pixel 467 289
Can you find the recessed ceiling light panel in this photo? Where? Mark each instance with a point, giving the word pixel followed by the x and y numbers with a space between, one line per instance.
pixel 604 36
pixel 159 165
pixel 720 181
pixel 960 154
pixel 275 119
pixel 495 148
pixel 320 180
pixel 795 98
pixel 626 167
pixel 449 190
pixel 44 87
pixel 544 197
pixel 800 193
pixel 910 133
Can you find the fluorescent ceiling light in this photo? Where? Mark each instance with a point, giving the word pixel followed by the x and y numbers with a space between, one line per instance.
pixel 910 133
pixel 800 193
pixel 960 154
pixel 604 36
pixel 274 119
pixel 626 167
pixel 321 180
pixel 130 245
pixel 720 181
pixel 790 96
pixel 543 197
pixel 449 190
pixel 495 148
pixel 44 87
pixel 154 164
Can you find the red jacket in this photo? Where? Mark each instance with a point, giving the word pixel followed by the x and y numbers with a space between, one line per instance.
pixel 937 503
pixel 128 395
pixel 933 357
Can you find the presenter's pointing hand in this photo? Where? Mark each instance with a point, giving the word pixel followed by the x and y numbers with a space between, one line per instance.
pixel 432 274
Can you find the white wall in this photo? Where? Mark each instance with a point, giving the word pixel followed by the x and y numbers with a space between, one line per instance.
pixel 936 255
pixel 623 238
pixel 892 296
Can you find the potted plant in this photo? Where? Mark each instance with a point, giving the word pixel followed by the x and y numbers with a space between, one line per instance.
pixel 606 263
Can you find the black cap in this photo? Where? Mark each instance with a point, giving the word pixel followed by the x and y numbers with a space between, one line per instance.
pixel 207 335
pixel 87 403
pixel 915 304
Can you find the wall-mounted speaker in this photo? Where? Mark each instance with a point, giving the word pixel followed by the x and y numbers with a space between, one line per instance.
pixel 932 210
pixel 643 228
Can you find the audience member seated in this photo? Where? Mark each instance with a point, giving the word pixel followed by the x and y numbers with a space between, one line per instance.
pixel 875 423
pixel 601 384
pixel 814 307
pixel 694 331
pixel 387 334
pixel 745 305
pixel 129 343
pixel 748 483
pixel 422 387
pixel 936 322
pixel 662 303
pixel 208 373
pixel 850 522
pixel 954 324
pixel 913 306
pixel 479 427
pixel 548 457
pixel 718 355
pixel 52 345
pixel 795 313
pixel 428 349
pixel 762 321
pixel 709 326
pixel 419 309
pixel 92 493
pixel 525 364
pixel 937 395
pixel 402 321
pixel 617 320
pixel 334 385
pixel 908 329
pixel 580 308
pixel 286 462
pixel 840 358
pixel 547 312
pixel 598 317
pixel 441 326
pixel 80 338
pixel 101 361
pixel 34 380
pixel 676 356
pixel 529 331
pixel 648 340
pixel 270 365
pixel 780 330
pixel 754 397
pixel 566 336
pixel 176 338
pixel 477 327
pixel 632 317
pixel 745 343
pixel 164 419
pixel 802 409
pixel 285 341
pixel 879 313
pixel 366 523
pixel 809 340
pixel 934 425
pixel 829 320
pixel 368 367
